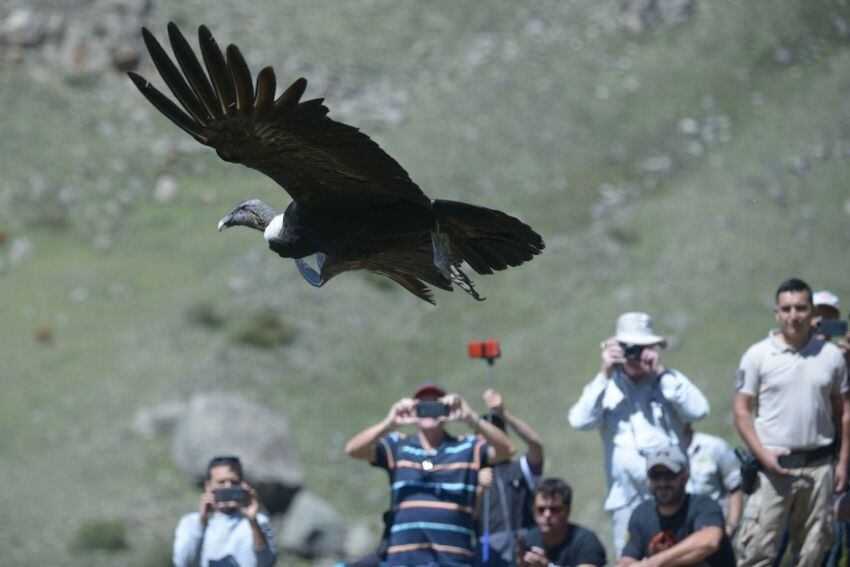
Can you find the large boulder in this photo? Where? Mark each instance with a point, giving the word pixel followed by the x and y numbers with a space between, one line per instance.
pixel 226 424
pixel 75 36
pixel 312 528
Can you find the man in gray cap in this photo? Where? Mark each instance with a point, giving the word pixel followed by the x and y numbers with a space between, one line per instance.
pixel 676 528
pixel 638 405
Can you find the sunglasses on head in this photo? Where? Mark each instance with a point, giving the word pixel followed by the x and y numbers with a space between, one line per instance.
pixel 664 474
pixel 553 509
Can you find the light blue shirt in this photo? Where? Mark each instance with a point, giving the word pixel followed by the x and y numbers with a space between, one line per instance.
pixel 227 538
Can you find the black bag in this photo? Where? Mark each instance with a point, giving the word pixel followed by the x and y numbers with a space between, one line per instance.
pixel 750 467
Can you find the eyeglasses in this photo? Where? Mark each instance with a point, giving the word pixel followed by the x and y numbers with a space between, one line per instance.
pixel 553 509
pixel 662 474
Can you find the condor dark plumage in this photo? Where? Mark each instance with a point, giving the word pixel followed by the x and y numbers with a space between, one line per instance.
pixel 353 206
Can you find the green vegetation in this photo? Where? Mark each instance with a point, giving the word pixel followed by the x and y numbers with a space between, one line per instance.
pixel 684 171
pixel 101 535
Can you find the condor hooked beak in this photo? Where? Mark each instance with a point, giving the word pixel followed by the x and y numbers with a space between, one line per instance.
pixel 226 222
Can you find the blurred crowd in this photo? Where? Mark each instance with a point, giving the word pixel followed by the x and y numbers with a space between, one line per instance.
pixel 676 495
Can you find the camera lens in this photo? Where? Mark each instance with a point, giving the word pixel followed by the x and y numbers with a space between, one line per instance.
pixel 632 352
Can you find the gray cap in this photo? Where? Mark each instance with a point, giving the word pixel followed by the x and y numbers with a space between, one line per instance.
pixel 671 457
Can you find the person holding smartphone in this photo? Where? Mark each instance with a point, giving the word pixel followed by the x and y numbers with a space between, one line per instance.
pixel 433 474
pixel 228 528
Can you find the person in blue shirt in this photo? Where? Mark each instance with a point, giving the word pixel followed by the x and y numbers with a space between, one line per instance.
pixel 433 475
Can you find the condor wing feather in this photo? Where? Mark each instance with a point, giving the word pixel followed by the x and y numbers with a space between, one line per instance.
pixel 318 161
pixel 411 269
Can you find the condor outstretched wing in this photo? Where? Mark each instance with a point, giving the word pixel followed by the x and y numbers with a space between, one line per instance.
pixel 318 161
pixel 411 269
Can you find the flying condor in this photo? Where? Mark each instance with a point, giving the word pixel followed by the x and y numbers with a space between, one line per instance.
pixel 353 206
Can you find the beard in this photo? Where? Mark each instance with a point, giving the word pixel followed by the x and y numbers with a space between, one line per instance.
pixel 669 495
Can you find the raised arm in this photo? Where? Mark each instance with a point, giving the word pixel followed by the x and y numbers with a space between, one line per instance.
pixel 532 439
pixel 501 447
pixel 362 446
pixel 688 400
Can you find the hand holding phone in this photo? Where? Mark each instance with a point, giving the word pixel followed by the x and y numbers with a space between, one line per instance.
pixel 230 494
pixel 431 408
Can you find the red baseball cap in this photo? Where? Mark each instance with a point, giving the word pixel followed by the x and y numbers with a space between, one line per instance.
pixel 429 389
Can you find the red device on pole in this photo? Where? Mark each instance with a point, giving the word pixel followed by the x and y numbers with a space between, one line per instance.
pixel 489 349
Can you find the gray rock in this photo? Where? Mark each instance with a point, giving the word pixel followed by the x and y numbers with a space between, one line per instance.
pixel 640 15
pixel 19 250
pixel 160 419
pixel 166 189
pixel 226 424
pixel 361 539
pixel 312 528
pixel 23 27
pixel 81 37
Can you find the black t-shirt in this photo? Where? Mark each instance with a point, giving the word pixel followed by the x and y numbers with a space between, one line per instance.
pixel 581 546
pixel 651 533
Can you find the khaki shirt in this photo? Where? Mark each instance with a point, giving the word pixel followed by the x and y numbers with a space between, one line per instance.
pixel 793 390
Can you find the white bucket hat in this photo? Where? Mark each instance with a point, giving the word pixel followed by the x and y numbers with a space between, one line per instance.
pixel 635 328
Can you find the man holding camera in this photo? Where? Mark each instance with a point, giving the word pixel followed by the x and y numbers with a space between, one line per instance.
pixel 433 475
pixel 798 383
pixel 228 528
pixel 638 405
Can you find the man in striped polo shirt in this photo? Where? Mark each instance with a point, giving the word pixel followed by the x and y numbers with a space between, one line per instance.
pixel 433 475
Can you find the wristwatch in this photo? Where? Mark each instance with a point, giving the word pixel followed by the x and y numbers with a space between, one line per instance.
pixel 734 526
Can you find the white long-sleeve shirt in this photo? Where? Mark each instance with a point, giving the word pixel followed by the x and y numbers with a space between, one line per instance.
pixel 633 418
pixel 227 537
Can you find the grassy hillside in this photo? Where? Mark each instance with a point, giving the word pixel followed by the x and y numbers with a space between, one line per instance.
pixel 684 171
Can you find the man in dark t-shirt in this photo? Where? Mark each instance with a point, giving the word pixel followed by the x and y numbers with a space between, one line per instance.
pixel 555 541
pixel 675 528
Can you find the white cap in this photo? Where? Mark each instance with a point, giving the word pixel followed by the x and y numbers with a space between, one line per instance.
pixel 636 329
pixel 824 297
pixel 671 457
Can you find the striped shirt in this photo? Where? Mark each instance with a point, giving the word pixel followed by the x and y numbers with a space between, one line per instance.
pixel 433 498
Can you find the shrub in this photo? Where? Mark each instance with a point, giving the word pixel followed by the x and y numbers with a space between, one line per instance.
pixel 264 329
pixel 101 535
pixel 205 314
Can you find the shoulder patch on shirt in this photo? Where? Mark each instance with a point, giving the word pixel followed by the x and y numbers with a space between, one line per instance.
pixel 739 379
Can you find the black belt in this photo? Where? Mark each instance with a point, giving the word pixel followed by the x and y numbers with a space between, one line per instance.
pixel 799 459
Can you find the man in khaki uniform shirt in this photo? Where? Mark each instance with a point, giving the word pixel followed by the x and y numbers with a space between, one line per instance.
pixel 791 406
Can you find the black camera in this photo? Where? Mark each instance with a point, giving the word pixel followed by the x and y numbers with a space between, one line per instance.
pixel 632 352
pixel 431 408
pixel 750 467
pixel 832 328
pixel 230 494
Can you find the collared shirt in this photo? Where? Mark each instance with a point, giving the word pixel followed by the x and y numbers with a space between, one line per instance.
pixel 713 467
pixel 228 539
pixel 433 494
pixel 633 418
pixel 794 390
